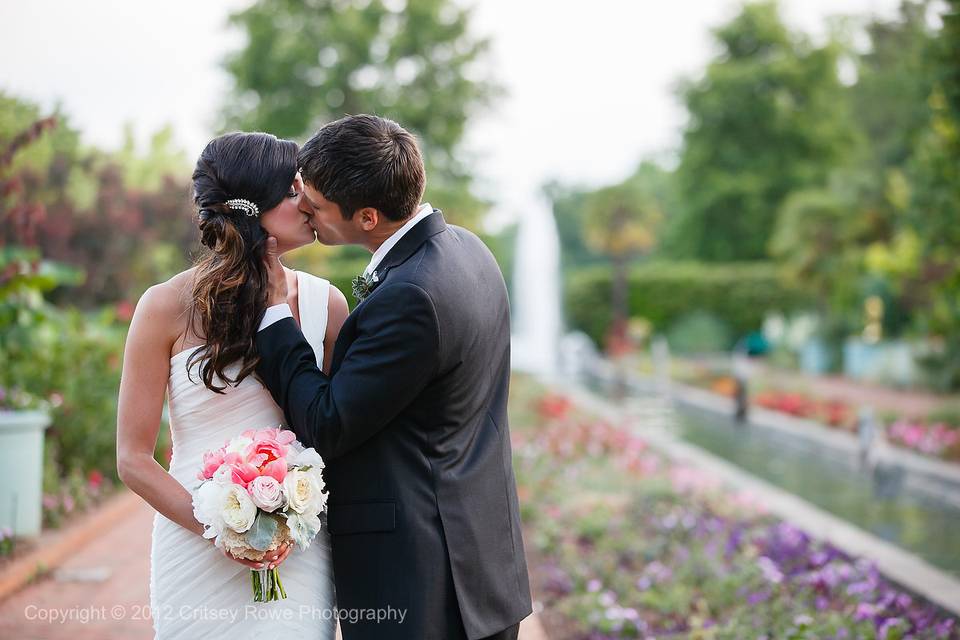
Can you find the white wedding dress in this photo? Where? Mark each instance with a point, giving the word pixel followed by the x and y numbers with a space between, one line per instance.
pixel 195 591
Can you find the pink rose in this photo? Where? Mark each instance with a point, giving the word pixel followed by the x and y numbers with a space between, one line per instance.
pixel 266 492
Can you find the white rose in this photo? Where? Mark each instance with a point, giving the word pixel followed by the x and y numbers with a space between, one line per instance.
pixel 308 458
pixel 223 475
pixel 238 510
pixel 266 493
pixel 238 445
pixel 317 474
pixel 303 527
pixel 207 508
pixel 304 493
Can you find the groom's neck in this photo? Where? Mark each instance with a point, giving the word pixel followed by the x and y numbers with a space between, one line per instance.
pixel 379 235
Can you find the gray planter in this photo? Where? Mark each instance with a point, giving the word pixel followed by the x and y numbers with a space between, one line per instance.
pixel 21 474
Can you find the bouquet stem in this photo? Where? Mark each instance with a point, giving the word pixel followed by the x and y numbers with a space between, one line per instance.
pixel 267 586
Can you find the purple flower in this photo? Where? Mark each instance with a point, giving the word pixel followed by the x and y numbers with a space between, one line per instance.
pixel 865 611
pixel 945 628
pixel 733 541
pixel 557 581
pixel 769 569
pixel 888 624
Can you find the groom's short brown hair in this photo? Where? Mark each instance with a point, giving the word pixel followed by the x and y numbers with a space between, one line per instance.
pixel 365 161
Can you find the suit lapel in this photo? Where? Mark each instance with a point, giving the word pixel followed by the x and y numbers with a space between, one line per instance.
pixel 400 253
pixel 410 242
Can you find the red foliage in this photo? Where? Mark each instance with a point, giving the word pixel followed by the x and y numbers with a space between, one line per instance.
pixel 111 241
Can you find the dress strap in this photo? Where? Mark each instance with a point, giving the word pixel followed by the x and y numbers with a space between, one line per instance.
pixel 313 295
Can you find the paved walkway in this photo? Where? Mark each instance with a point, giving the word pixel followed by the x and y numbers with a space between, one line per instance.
pixel 102 592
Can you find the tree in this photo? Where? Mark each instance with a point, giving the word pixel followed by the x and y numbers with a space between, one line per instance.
pixel 307 62
pixel 124 221
pixel 621 223
pixel 892 87
pixel 766 119
pixel 570 209
pixel 933 219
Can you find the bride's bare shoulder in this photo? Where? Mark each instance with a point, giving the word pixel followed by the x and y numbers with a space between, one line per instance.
pixel 170 300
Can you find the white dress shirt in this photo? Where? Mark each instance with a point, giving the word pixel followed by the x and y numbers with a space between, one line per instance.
pixel 280 311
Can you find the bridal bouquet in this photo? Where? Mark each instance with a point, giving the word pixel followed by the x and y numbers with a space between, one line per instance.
pixel 258 491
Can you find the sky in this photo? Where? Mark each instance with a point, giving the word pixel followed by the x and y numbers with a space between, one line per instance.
pixel 589 85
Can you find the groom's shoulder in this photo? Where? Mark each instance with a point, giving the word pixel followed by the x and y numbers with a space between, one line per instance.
pixel 459 237
pixel 470 246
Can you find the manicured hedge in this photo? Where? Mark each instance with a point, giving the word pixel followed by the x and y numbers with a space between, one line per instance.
pixel 738 294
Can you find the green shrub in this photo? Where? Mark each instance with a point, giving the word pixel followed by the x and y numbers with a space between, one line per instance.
pixel 72 361
pixel 341 275
pixel 737 294
pixel 699 332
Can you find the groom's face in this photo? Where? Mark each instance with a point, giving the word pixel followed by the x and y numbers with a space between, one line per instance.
pixel 327 220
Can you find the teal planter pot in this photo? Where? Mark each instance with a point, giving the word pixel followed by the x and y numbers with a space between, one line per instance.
pixel 21 474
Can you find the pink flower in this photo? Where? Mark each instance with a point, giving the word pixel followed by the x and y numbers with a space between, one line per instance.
pixel 268 456
pixel 243 473
pixel 94 479
pixel 267 493
pixel 281 436
pixel 276 469
pixel 211 462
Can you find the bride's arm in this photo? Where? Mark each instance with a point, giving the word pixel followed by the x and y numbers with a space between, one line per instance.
pixel 337 312
pixel 146 368
pixel 143 384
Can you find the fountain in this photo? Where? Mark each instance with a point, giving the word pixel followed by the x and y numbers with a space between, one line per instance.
pixel 536 291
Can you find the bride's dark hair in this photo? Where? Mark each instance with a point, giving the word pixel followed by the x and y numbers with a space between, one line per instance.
pixel 230 284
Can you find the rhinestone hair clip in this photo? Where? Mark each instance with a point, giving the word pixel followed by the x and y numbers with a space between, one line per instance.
pixel 249 208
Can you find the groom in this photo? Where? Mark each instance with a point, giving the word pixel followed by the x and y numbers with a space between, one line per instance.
pixel 412 420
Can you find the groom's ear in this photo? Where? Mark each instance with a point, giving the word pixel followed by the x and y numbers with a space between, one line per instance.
pixel 368 218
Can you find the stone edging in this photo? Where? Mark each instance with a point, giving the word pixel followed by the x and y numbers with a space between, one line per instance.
pixel 937 473
pixel 63 544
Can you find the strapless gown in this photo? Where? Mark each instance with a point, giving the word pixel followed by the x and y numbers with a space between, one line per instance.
pixel 195 591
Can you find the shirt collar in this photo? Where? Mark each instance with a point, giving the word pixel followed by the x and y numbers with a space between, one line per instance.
pixel 425 210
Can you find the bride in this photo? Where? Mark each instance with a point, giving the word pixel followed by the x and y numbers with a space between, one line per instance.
pixel 192 339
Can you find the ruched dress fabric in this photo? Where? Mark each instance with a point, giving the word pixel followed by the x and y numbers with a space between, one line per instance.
pixel 195 591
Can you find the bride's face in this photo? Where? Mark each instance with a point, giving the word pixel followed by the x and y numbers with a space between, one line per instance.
pixel 285 222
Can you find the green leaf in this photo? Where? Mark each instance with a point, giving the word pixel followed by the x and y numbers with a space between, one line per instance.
pixel 261 533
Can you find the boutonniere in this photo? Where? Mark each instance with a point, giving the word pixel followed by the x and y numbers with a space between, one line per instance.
pixel 363 285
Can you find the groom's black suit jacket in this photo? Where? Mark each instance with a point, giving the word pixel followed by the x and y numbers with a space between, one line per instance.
pixel 412 424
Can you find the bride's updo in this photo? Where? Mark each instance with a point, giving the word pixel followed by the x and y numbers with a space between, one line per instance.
pixel 230 286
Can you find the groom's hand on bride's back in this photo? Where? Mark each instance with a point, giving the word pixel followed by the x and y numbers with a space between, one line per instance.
pixel 277 286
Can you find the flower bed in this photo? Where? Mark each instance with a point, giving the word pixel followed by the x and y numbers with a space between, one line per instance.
pixel 932 435
pixel 937 439
pixel 625 544
pixel 833 413
pixel 74 495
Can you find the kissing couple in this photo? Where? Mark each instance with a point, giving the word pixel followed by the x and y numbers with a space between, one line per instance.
pixel 404 398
